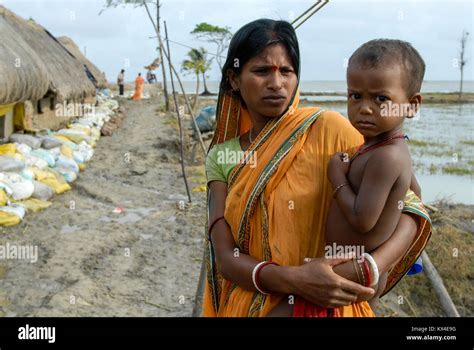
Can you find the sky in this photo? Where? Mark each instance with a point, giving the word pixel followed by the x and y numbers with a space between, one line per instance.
pixel 123 37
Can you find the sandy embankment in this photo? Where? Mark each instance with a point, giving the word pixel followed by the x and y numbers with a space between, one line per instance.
pixel 93 262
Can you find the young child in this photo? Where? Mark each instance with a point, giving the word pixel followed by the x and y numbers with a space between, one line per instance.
pixel 384 79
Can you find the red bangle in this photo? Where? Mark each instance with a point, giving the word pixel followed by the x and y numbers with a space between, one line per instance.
pixel 212 226
pixel 256 275
pixel 365 264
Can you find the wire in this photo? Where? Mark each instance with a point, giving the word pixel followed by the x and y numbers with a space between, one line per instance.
pixel 319 2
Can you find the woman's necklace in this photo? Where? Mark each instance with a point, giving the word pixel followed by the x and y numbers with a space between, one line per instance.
pixel 361 151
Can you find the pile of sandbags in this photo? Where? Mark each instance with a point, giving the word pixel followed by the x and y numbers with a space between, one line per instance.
pixel 33 168
pixel 114 123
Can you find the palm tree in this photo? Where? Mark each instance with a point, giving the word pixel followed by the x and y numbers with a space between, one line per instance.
pixel 197 63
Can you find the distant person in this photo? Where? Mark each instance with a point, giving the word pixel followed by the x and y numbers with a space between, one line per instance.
pixel 151 77
pixel 120 81
pixel 139 81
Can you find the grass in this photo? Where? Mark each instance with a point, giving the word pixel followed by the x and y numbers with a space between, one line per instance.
pixel 468 142
pixel 433 169
pixel 449 169
pixel 419 143
pixel 450 250
pixel 171 120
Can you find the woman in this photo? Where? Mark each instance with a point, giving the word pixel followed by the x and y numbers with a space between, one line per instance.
pixel 267 216
pixel 139 81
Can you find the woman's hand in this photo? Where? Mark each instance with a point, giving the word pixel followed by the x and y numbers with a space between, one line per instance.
pixel 338 167
pixel 316 282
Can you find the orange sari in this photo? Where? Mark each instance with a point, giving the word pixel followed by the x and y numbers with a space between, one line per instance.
pixel 137 96
pixel 277 209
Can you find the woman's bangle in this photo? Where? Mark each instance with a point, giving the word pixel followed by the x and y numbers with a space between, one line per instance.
pixel 356 269
pixel 365 264
pixel 338 188
pixel 373 268
pixel 256 273
pixel 212 226
pixel 359 265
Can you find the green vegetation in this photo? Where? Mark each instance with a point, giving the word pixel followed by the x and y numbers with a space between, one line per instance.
pixel 457 170
pixel 468 142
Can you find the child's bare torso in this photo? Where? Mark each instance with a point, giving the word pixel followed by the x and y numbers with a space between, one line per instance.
pixel 338 229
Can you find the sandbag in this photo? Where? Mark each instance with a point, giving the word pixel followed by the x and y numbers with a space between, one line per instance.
pixel 65 164
pixel 49 142
pixel 22 148
pixel 29 140
pixel 66 151
pixel 33 204
pixel 11 214
pixel 7 149
pixel 3 198
pixel 42 191
pixel 28 174
pixel 21 187
pixel 45 155
pixel 53 179
pixel 9 164
pixel 32 161
pixel 8 218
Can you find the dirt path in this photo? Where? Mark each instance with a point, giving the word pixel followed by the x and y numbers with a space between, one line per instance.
pixel 93 262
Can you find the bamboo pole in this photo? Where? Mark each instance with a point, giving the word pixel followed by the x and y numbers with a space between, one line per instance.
pixel 438 286
pixel 165 88
pixel 181 138
pixel 188 105
pixel 200 288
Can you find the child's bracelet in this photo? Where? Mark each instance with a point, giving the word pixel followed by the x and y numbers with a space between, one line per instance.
pixel 338 188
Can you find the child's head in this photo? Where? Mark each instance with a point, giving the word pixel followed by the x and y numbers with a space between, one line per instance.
pixel 384 80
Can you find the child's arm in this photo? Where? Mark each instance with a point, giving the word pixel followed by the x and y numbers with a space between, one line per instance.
pixel 382 170
pixel 415 186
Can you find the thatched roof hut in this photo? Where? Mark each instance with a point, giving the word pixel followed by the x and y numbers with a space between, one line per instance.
pixel 71 46
pixel 66 75
pixel 23 75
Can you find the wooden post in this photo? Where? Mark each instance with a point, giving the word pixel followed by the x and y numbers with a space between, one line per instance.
pixel 188 105
pixel 165 88
pixel 438 286
pixel 181 138
pixel 200 288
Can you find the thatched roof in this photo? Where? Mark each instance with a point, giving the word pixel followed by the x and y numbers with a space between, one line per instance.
pixel 76 52
pixel 23 75
pixel 66 75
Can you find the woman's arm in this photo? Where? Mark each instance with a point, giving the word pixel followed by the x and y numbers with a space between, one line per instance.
pixel 390 252
pixel 232 264
pixel 393 249
pixel 314 281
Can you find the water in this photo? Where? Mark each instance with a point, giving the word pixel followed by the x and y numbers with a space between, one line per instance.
pixel 340 86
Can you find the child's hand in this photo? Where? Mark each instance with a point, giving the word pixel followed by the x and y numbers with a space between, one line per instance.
pixel 338 167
